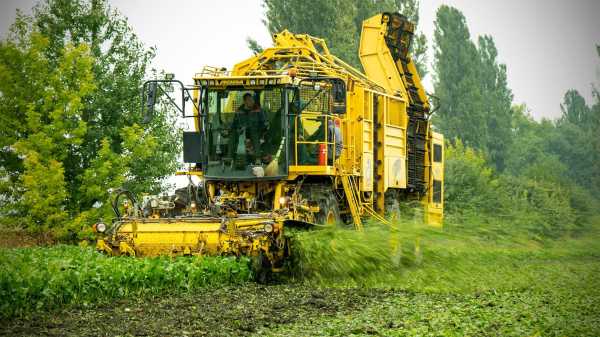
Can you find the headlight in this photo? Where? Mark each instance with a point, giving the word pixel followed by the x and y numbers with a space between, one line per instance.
pixel 268 228
pixel 100 227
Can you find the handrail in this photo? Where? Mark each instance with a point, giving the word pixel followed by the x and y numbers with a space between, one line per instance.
pixel 326 118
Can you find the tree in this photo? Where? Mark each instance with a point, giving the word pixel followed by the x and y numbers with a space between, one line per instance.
pixel 120 67
pixel 576 140
pixel 339 22
pixel 49 105
pixel 575 110
pixel 89 46
pixel 474 98
pixel 456 79
pixel 497 100
pixel 530 155
pixel 331 20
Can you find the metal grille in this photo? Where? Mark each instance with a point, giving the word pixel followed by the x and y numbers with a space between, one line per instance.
pixel 272 100
pixel 318 101
pixel 416 158
pixel 238 100
pixel 437 191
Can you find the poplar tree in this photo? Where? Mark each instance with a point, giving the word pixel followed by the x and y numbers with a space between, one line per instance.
pixel 474 99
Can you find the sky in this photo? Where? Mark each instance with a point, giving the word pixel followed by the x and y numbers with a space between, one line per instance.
pixel 548 46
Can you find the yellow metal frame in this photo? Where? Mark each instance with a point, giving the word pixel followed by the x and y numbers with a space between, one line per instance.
pixel 184 236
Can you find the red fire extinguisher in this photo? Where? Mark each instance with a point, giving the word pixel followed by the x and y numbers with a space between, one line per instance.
pixel 322 154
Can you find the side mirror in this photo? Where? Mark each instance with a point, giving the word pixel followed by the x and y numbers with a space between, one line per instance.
pixel 150 95
pixel 339 96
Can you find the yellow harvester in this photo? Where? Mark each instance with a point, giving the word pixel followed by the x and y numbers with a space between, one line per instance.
pixel 293 136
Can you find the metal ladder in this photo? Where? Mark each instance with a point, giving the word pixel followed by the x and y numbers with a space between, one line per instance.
pixel 352 194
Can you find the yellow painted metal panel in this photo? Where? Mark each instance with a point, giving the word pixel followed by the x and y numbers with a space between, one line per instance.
pixel 435 208
pixel 376 57
pixel 312 169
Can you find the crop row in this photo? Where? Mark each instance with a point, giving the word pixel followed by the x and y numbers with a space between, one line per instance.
pixel 46 278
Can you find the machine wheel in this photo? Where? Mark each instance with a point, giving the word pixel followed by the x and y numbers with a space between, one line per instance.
pixel 329 211
pixel 261 268
pixel 392 207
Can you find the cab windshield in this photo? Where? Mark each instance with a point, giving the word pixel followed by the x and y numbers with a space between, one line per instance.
pixel 245 132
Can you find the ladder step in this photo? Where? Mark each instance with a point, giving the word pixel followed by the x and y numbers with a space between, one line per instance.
pixel 351 192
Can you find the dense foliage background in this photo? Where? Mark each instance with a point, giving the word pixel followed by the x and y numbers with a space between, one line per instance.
pixel 501 164
pixel 70 79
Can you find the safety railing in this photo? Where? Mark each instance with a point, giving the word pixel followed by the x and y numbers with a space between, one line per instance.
pixel 318 148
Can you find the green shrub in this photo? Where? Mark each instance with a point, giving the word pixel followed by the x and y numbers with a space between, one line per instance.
pixel 536 201
pixel 542 208
pixel 469 181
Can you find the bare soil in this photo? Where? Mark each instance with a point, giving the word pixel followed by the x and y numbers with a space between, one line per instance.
pixel 239 311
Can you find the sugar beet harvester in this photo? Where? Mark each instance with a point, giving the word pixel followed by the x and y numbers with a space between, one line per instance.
pixel 293 136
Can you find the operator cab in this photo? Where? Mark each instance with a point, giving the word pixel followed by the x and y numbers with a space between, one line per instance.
pixel 257 128
pixel 245 131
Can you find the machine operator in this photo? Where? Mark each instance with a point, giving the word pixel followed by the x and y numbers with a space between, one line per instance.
pixel 249 118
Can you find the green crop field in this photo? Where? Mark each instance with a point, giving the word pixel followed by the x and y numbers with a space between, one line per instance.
pixel 48 278
pixel 342 283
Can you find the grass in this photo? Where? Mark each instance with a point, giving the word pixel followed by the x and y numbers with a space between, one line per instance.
pixel 45 278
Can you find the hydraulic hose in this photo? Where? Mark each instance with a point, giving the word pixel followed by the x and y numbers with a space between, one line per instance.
pixel 129 196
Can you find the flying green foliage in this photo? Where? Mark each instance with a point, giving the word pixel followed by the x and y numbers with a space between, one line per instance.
pixel 70 106
pixel 48 278
pixel 342 253
pixel 468 285
pixel 339 22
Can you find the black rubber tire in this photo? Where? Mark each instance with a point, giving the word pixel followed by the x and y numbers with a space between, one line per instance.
pixel 392 207
pixel 329 211
pixel 261 268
